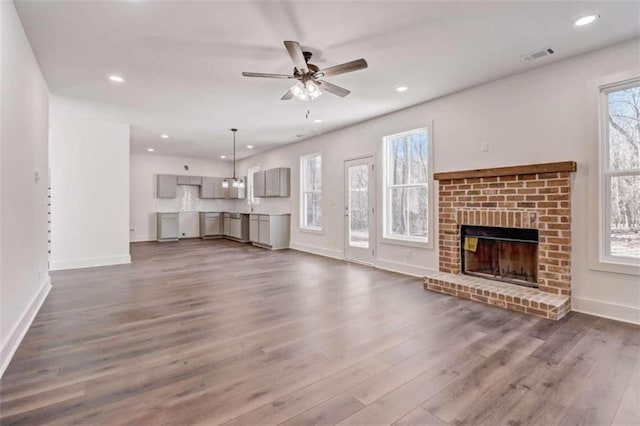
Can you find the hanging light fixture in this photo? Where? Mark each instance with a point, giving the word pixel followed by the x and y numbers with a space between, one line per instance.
pixel 236 182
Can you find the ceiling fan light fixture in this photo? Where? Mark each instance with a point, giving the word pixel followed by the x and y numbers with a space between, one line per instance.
pixel 300 91
pixel 313 91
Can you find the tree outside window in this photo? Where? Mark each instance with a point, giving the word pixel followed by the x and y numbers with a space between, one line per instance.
pixel 621 167
pixel 407 189
pixel 311 196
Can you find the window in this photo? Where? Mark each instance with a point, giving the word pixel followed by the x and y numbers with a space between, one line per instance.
pixel 311 192
pixel 250 197
pixel 620 172
pixel 406 192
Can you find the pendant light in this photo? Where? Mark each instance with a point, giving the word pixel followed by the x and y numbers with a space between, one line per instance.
pixel 235 181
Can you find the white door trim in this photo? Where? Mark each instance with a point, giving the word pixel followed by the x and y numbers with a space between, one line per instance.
pixel 353 254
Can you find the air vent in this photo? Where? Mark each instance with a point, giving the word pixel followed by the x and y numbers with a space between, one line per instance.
pixel 538 54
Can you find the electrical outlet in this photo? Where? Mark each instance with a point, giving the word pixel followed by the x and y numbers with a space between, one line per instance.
pixel 407 253
pixel 484 146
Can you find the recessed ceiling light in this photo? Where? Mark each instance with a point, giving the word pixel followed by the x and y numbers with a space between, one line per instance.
pixel 585 20
pixel 402 89
pixel 318 120
pixel 223 156
pixel 116 78
pixel 150 149
pixel 164 136
pixel 250 146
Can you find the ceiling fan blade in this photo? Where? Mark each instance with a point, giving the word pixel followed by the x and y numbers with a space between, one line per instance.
pixel 358 64
pixel 332 88
pixel 295 51
pixel 259 74
pixel 287 96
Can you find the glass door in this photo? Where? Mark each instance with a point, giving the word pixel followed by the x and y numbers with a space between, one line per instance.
pixel 359 210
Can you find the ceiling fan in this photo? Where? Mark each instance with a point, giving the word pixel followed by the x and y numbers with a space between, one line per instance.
pixel 310 84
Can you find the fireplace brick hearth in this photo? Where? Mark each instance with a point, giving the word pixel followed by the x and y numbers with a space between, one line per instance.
pixel 533 196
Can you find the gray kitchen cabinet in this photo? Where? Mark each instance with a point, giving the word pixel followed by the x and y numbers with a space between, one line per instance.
pixel 277 182
pixel 207 189
pixel 226 224
pixel 270 231
pixel 212 188
pixel 254 223
pixel 168 226
pixel 237 193
pixel 210 224
pixel 238 226
pixel 166 186
pixel 259 186
pixel 235 227
pixel 264 231
pixel 189 180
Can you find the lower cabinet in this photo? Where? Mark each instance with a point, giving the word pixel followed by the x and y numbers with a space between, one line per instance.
pixel 226 224
pixel 210 224
pixel 253 228
pixel 270 231
pixel 168 226
pixel 264 232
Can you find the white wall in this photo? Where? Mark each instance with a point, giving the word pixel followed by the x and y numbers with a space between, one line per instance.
pixel 144 204
pixel 544 115
pixel 90 189
pixel 24 280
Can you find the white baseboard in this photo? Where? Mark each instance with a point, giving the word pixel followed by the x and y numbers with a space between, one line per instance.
pixel 142 239
pixel 387 265
pixel 402 268
pixel 334 254
pixel 57 265
pixel 16 335
pixel 625 313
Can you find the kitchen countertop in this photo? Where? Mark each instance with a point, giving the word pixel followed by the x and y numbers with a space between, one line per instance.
pixel 225 211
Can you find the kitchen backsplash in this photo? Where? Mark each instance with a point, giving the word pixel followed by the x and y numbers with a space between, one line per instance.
pixel 188 200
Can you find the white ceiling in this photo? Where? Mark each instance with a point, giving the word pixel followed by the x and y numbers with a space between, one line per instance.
pixel 182 61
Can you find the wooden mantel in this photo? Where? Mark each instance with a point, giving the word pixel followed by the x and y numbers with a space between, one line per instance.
pixel 527 169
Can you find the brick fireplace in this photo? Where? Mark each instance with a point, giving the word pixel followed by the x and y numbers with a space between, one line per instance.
pixel 522 201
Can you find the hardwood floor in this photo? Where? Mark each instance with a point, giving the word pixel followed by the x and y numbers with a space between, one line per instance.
pixel 212 332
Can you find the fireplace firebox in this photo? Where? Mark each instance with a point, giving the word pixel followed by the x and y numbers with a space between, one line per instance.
pixel 502 254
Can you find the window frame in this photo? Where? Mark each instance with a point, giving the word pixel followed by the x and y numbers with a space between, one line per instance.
pixel 304 159
pixel 250 194
pixel 387 236
pixel 605 173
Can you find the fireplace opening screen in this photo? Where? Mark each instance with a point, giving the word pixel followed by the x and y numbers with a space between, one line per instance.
pixel 503 254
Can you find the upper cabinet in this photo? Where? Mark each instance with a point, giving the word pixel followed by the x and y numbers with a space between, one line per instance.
pixel 272 183
pixel 212 188
pixel 259 186
pixel 166 187
pixel 237 193
pixel 189 180
pixel 277 182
